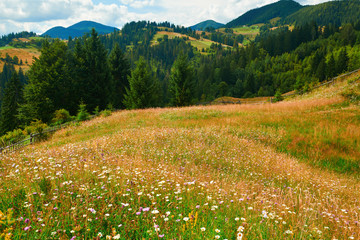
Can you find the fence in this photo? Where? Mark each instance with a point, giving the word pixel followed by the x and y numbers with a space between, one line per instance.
pixel 33 138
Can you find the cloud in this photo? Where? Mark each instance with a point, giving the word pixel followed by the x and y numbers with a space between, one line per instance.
pixel 138 3
pixel 41 15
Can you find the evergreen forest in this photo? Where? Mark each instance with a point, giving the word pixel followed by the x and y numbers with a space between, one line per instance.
pixel 133 68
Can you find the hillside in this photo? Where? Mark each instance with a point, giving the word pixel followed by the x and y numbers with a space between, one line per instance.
pixel 78 30
pixel 254 171
pixel 207 24
pixel 336 12
pixel 266 13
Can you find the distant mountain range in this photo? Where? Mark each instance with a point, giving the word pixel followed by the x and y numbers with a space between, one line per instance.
pixel 206 24
pixel 78 30
pixel 264 14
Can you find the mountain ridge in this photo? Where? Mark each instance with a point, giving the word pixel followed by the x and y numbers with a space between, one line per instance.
pixel 78 30
pixel 208 23
pixel 282 8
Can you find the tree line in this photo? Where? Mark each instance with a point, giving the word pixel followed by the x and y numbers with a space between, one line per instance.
pixel 126 70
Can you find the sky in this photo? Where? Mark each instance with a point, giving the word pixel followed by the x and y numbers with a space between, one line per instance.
pixel 40 15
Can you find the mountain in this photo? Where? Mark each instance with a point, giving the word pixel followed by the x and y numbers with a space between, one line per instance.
pixel 78 30
pixel 281 9
pixel 336 12
pixel 206 24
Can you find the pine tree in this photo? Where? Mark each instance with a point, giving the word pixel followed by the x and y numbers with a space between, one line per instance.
pixel 182 82
pixel 331 67
pixel 49 85
pixel 143 90
pixel 13 96
pixel 342 62
pixel 120 70
pixel 97 73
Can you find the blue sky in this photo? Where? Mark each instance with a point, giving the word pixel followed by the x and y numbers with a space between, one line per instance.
pixel 41 15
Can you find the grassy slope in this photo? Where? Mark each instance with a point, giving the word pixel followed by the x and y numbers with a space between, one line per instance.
pixel 24 54
pixel 215 167
pixel 200 44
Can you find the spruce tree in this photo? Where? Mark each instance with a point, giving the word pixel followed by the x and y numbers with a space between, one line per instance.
pixel 97 82
pixel 49 85
pixel 342 62
pixel 181 82
pixel 120 70
pixel 13 96
pixel 143 90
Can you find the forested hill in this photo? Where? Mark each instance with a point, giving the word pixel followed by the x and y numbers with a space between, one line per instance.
pixel 207 24
pixel 336 12
pixel 264 14
pixel 78 30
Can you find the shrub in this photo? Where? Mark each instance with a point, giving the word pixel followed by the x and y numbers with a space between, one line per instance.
pixel 105 113
pixel 12 137
pixel 96 111
pixel 83 114
pixel 278 96
pixel 61 116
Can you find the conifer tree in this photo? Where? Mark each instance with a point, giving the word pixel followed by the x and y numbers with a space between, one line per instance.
pixel 181 82
pixel 342 62
pixel 143 90
pixel 13 96
pixel 120 70
pixel 97 78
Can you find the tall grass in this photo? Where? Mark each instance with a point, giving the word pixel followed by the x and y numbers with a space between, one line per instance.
pixel 190 173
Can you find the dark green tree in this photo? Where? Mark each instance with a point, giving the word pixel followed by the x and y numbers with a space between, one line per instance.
pixel 143 90
pixel 331 67
pixel 120 70
pixel 342 62
pixel 49 84
pixel 13 96
pixel 97 79
pixel 182 82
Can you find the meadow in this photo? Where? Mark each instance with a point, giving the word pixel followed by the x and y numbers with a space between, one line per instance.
pixel 288 170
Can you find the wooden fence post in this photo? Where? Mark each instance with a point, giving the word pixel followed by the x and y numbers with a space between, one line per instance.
pixel 31 138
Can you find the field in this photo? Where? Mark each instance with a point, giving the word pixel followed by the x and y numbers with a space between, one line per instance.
pixel 200 44
pixel 288 170
pixel 24 54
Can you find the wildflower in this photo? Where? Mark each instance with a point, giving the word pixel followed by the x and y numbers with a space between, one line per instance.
pixel 203 229
pixel 217 230
pixel 186 219
pixel 27 228
pixel 155 211
pixel 138 213
pixel 237 219
pixel 240 229
pixel 100 234
pixel 239 236
pixel 217 237
pixel 116 236
pixel 73 238
pixel 288 232
pixel 166 219
pixel 168 213
pixel 146 209
pixel 161 235
pixel 243 219
pixel 264 214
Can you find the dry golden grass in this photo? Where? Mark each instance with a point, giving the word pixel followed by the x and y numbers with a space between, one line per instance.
pixel 201 171
pixel 22 54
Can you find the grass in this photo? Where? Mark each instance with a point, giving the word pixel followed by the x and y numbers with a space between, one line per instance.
pixel 212 172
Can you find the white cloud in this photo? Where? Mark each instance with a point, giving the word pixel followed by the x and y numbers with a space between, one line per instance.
pixel 40 15
pixel 138 3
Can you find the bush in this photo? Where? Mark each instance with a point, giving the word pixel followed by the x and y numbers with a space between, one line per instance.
pixel 36 126
pixel 105 113
pixel 61 116
pixel 278 97
pixel 83 114
pixel 12 137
